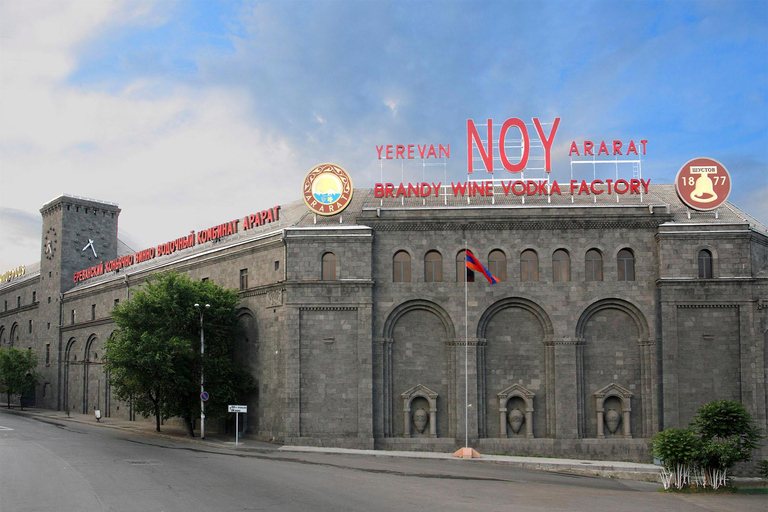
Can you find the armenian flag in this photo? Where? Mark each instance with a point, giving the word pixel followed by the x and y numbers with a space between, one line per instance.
pixel 474 264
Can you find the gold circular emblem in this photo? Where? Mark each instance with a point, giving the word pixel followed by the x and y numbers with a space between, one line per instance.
pixel 327 189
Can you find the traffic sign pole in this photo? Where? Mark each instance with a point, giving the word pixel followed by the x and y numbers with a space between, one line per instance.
pixel 237 409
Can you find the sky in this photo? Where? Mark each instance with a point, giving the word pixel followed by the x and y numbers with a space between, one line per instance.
pixel 193 113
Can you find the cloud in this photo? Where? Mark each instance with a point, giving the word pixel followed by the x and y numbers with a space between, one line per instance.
pixel 175 157
pixel 186 113
pixel 15 229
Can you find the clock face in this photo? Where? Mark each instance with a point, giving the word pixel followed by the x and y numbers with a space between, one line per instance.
pixel 50 243
pixel 90 243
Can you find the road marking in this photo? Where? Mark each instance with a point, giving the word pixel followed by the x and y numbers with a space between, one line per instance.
pixel 5 428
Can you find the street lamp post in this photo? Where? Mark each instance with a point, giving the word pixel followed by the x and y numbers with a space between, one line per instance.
pixel 202 375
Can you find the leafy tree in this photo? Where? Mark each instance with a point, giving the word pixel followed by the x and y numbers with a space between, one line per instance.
pixel 721 434
pixel 154 355
pixel 727 435
pixel 17 373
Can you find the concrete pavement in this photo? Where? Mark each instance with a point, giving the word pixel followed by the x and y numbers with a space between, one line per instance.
pixel 173 431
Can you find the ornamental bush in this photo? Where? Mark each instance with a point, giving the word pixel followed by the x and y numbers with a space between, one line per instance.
pixel 721 434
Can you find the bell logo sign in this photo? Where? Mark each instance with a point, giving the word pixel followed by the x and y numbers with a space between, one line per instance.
pixel 486 153
pixel 703 184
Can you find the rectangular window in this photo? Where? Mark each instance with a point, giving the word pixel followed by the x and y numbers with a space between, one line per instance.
pixel 49 300
pixel 30 327
pixel 433 271
pixel 18 301
pixel 34 297
pixel 204 280
pixel 93 311
pixel 47 354
pixel 73 317
pixel 5 306
pixel 244 279
pixel 277 265
pixel 49 326
pixel 117 301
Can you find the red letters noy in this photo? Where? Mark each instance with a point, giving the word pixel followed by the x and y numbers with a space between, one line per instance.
pixel 486 153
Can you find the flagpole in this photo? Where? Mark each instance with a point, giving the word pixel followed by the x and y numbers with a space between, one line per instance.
pixel 466 351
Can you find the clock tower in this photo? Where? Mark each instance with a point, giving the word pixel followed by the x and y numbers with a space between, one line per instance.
pixel 78 233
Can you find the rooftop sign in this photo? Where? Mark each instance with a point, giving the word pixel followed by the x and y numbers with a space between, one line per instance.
pixel 327 189
pixel 703 184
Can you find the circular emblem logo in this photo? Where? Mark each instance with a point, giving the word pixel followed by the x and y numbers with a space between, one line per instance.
pixel 327 189
pixel 703 184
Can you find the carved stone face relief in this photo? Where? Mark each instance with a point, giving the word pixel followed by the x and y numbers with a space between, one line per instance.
pixel 420 420
pixel 516 419
pixel 612 420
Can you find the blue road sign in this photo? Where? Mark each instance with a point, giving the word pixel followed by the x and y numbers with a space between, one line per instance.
pixel 204 396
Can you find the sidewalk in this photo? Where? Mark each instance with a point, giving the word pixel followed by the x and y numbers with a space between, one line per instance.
pixel 146 427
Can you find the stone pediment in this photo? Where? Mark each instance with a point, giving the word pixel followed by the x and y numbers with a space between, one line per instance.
pixel 516 390
pixel 613 389
pixel 419 390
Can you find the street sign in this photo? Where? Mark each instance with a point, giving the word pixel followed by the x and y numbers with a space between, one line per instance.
pixel 204 396
pixel 238 408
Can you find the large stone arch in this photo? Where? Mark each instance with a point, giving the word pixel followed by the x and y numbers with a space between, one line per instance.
pixel 3 341
pixel 73 377
pixel 247 351
pixel 616 349
pixel 626 307
pixel 418 305
pixel 13 338
pixel 417 350
pixel 94 381
pixel 512 338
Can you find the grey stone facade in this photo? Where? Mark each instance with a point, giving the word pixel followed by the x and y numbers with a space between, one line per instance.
pixel 348 360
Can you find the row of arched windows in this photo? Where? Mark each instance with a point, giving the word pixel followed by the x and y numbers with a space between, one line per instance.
pixel 529 266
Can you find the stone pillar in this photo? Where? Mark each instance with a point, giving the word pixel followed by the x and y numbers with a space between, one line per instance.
pixel 568 387
pixel 432 422
pixel 503 422
pixel 529 422
pixel 627 426
pixel 407 421
pixel 600 426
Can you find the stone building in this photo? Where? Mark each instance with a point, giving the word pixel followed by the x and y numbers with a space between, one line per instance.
pixel 613 318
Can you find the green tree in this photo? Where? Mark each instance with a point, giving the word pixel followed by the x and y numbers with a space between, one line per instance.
pixel 17 373
pixel 154 355
pixel 727 432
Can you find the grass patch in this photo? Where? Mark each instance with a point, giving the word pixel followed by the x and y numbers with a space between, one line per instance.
pixel 753 491
pixel 702 490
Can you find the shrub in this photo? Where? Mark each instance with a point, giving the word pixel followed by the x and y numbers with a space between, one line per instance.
pixel 721 434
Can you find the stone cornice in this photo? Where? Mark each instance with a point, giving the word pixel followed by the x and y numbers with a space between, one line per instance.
pixel 549 224
pixel 90 323
pixel 22 309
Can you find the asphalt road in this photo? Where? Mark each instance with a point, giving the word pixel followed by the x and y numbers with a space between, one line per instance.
pixel 75 467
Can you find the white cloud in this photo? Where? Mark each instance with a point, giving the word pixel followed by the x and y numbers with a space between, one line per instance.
pixel 177 161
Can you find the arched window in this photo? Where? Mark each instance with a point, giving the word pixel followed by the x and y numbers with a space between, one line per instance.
pixel 497 264
pixel 561 266
pixel 593 265
pixel 330 267
pixel 626 264
pixel 401 267
pixel 705 264
pixel 433 267
pixel 529 265
pixel 462 270
pixel 14 337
